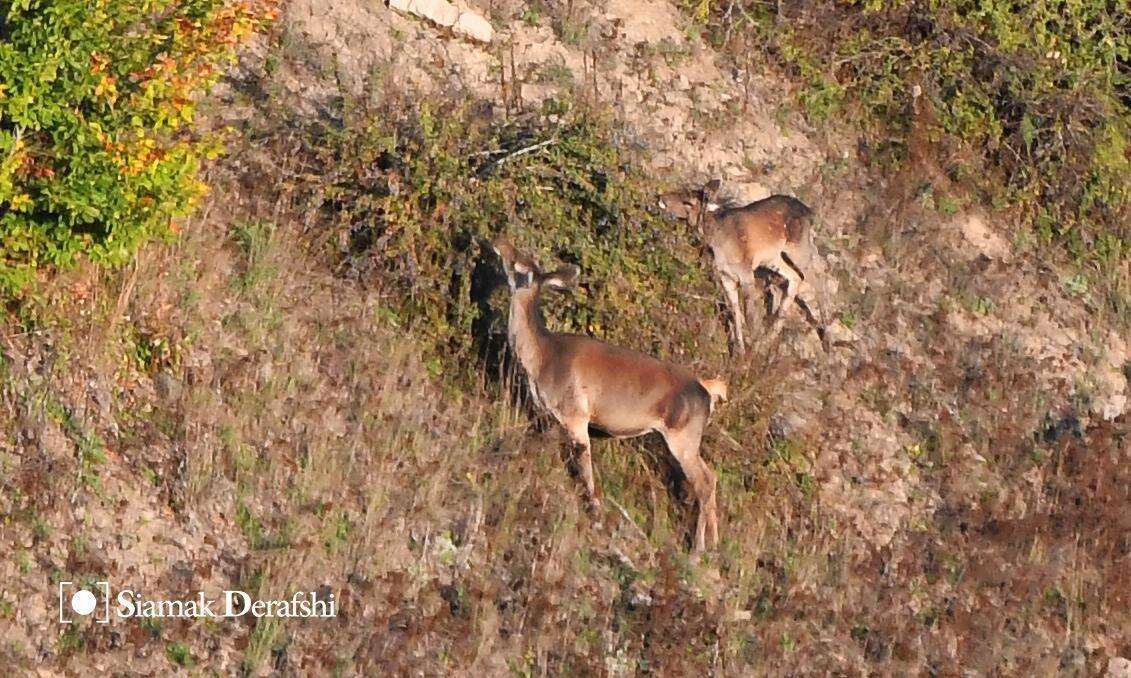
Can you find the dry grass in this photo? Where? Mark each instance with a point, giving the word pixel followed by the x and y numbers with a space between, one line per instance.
pixel 289 438
pixel 233 411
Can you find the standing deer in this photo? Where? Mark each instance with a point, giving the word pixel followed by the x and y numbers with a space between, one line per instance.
pixel 771 234
pixel 584 382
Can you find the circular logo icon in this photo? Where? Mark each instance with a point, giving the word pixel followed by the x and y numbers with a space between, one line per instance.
pixel 83 602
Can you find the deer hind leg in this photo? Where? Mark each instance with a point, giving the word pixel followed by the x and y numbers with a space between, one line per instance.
pixel 708 524
pixel 684 446
pixel 772 291
pixel 730 289
pixel 813 313
pixel 804 294
pixel 804 299
pixel 793 282
pixel 578 429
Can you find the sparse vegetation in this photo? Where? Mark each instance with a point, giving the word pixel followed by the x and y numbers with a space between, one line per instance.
pixel 413 194
pixel 308 391
pixel 179 654
pixel 1024 103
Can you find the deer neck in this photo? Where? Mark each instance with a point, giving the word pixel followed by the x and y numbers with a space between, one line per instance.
pixel 527 330
pixel 706 221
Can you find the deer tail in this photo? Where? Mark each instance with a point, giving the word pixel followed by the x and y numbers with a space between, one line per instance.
pixel 716 388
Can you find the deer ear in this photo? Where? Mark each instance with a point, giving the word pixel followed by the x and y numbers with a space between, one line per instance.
pixel 563 278
pixel 502 247
pixel 712 189
pixel 520 267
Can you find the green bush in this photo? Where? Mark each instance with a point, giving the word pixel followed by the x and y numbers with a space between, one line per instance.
pixel 95 100
pixel 414 190
pixel 1024 102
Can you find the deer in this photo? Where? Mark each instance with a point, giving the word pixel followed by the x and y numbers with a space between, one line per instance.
pixel 584 382
pixel 771 234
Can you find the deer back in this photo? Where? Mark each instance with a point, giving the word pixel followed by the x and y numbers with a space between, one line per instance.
pixel 746 234
pixel 625 392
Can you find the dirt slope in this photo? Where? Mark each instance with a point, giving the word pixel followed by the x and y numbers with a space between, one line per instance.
pixel 947 491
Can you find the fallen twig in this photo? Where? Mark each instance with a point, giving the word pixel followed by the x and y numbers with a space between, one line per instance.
pixel 527 149
pixel 730 439
pixel 624 512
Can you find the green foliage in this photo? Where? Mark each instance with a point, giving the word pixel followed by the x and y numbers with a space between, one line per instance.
pixel 179 654
pixel 263 640
pixel 23 561
pixel 249 524
pixel 254 239
pixel 415 197
pixel 95 101
pixel 70 640
pixel 1026 100
pixel 89 445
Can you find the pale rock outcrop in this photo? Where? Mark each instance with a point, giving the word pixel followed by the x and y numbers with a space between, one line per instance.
pixel 1119 668
pixel 461 20
pixel 983 239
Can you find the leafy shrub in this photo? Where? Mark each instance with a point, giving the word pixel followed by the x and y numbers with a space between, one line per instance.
pixel 95 101
pixel 1027 102
pixel 414 191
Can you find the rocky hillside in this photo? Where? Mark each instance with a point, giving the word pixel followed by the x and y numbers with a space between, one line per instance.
pixel 307 391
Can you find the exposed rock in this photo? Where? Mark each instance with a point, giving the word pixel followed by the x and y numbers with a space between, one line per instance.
pixel 1110 400
pixel 168 388
pixel 443 13
pixel 786 424
pixel 982 238
pixel 1119 667
pixel 1110 407
pixel 474 26
pixel 437 11
pixel 648 22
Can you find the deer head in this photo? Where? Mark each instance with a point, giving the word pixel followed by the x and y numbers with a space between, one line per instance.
pixel 692 205
pixel 524 273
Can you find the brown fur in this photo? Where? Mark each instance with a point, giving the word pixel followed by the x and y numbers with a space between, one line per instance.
pixel 773 234
pixel 584 382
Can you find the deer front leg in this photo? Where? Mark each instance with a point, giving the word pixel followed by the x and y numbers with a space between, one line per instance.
pixel 579 435
pixel 684 446
pixel 792 285
pixel 730 289
pixel 773 292
pixel 751 300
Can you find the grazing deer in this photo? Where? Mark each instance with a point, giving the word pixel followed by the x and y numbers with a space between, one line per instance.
pixel 771 234
pixel 584 382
